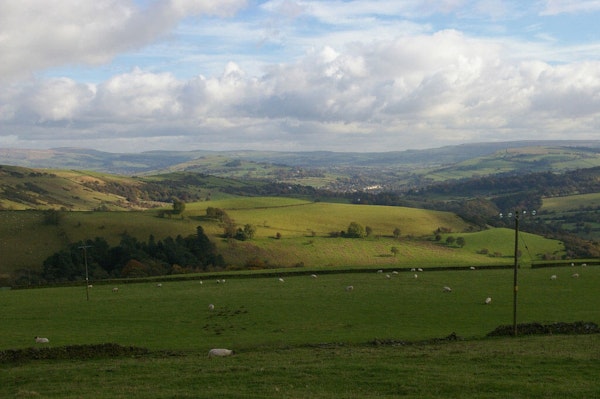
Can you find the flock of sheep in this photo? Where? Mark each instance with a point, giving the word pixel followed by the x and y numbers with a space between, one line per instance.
pixel 223 352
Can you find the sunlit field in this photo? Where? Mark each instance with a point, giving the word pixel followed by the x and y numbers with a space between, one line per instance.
pixel 310 337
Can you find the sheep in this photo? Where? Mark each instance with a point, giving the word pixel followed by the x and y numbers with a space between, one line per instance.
pixel 211 307
pixel 394 272
pixel 388 276
pixel 349 288
pixel 90 286
pixel 116 289
pixel 281 280
pixel 553 277
pixel 159 285
pixel 488 300
pixel 575 275
pixel 472 267
pixel 416 275
pixel 447 289
pixel 413 269
pixel 220 352
pixel 313 275
pixel 419 269
pixel 41 340
pixel 380 271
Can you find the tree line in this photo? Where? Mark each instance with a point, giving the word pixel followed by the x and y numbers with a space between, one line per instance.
pixel 132 258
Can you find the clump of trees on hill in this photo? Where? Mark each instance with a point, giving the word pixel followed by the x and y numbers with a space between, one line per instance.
pixel 133 258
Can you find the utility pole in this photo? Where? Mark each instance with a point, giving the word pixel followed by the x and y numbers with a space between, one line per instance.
pixel 515 285
pixel 87 280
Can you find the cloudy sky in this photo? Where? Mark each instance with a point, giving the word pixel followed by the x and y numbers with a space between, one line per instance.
pixel 295 75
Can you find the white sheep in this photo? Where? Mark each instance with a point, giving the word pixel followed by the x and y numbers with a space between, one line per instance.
pixel 211 307
pixel 281 280
pixel 313 275
pixel 553 277
pixel 159 285
pixel 447 289
pixel 380 271
pixel 220 352
pixel 416 275
pixel 350 288
pixel 90 286
pixel 419 269
pixel 388 276
pixel 116 289
pixel 413 269
pixel 41 340
pixel 472 267
pixel 394 272
pixel 575 275
pixel 488 300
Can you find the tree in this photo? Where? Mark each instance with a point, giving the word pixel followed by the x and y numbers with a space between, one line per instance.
pixel 355 230
pixel 368 230
pixel 249 231
pixel 397 233
pixel 395 251
pixel 460 241
pixel 178 206
pixel 450 240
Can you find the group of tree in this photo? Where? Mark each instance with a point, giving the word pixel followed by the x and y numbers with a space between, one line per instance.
pixel 230 228
pixel 133 258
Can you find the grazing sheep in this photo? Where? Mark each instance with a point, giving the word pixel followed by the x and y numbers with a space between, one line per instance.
pixel 201 282
pixel 220 352
pixel 211 307
pixel 281 280
pixel 575 275
pixel 380 271
pixel 413 269
pixel 350 288
pixel 394 272
pixel 90 286
pixel 416 275
pixel 572 264
pixel 388 276
pixel 488 300
pixel 116 289
pixel 553 277
pixel 41 340
pixel 159 285
pixel 584 264
pixel 313 275
pixel 472 267
pixel 419 269
pixel 447 289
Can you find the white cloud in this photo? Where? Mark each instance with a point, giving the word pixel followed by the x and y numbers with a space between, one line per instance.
pixel 555 7
pixel 408 92
pixel 36 34
pixel 333 75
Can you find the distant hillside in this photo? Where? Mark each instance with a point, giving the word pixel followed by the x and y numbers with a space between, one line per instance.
pixel 153 161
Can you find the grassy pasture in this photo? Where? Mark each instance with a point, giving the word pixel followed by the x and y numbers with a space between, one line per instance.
pixel 283 334
pixel 304 227
pixel 571 202
pixel 263 312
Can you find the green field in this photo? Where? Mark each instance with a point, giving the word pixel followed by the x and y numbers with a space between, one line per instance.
pixel 309 337
pixel 304 228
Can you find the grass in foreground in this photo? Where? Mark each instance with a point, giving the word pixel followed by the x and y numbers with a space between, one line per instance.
pixel 525 367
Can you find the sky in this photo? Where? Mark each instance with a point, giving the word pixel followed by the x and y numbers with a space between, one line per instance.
pixel 287 75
